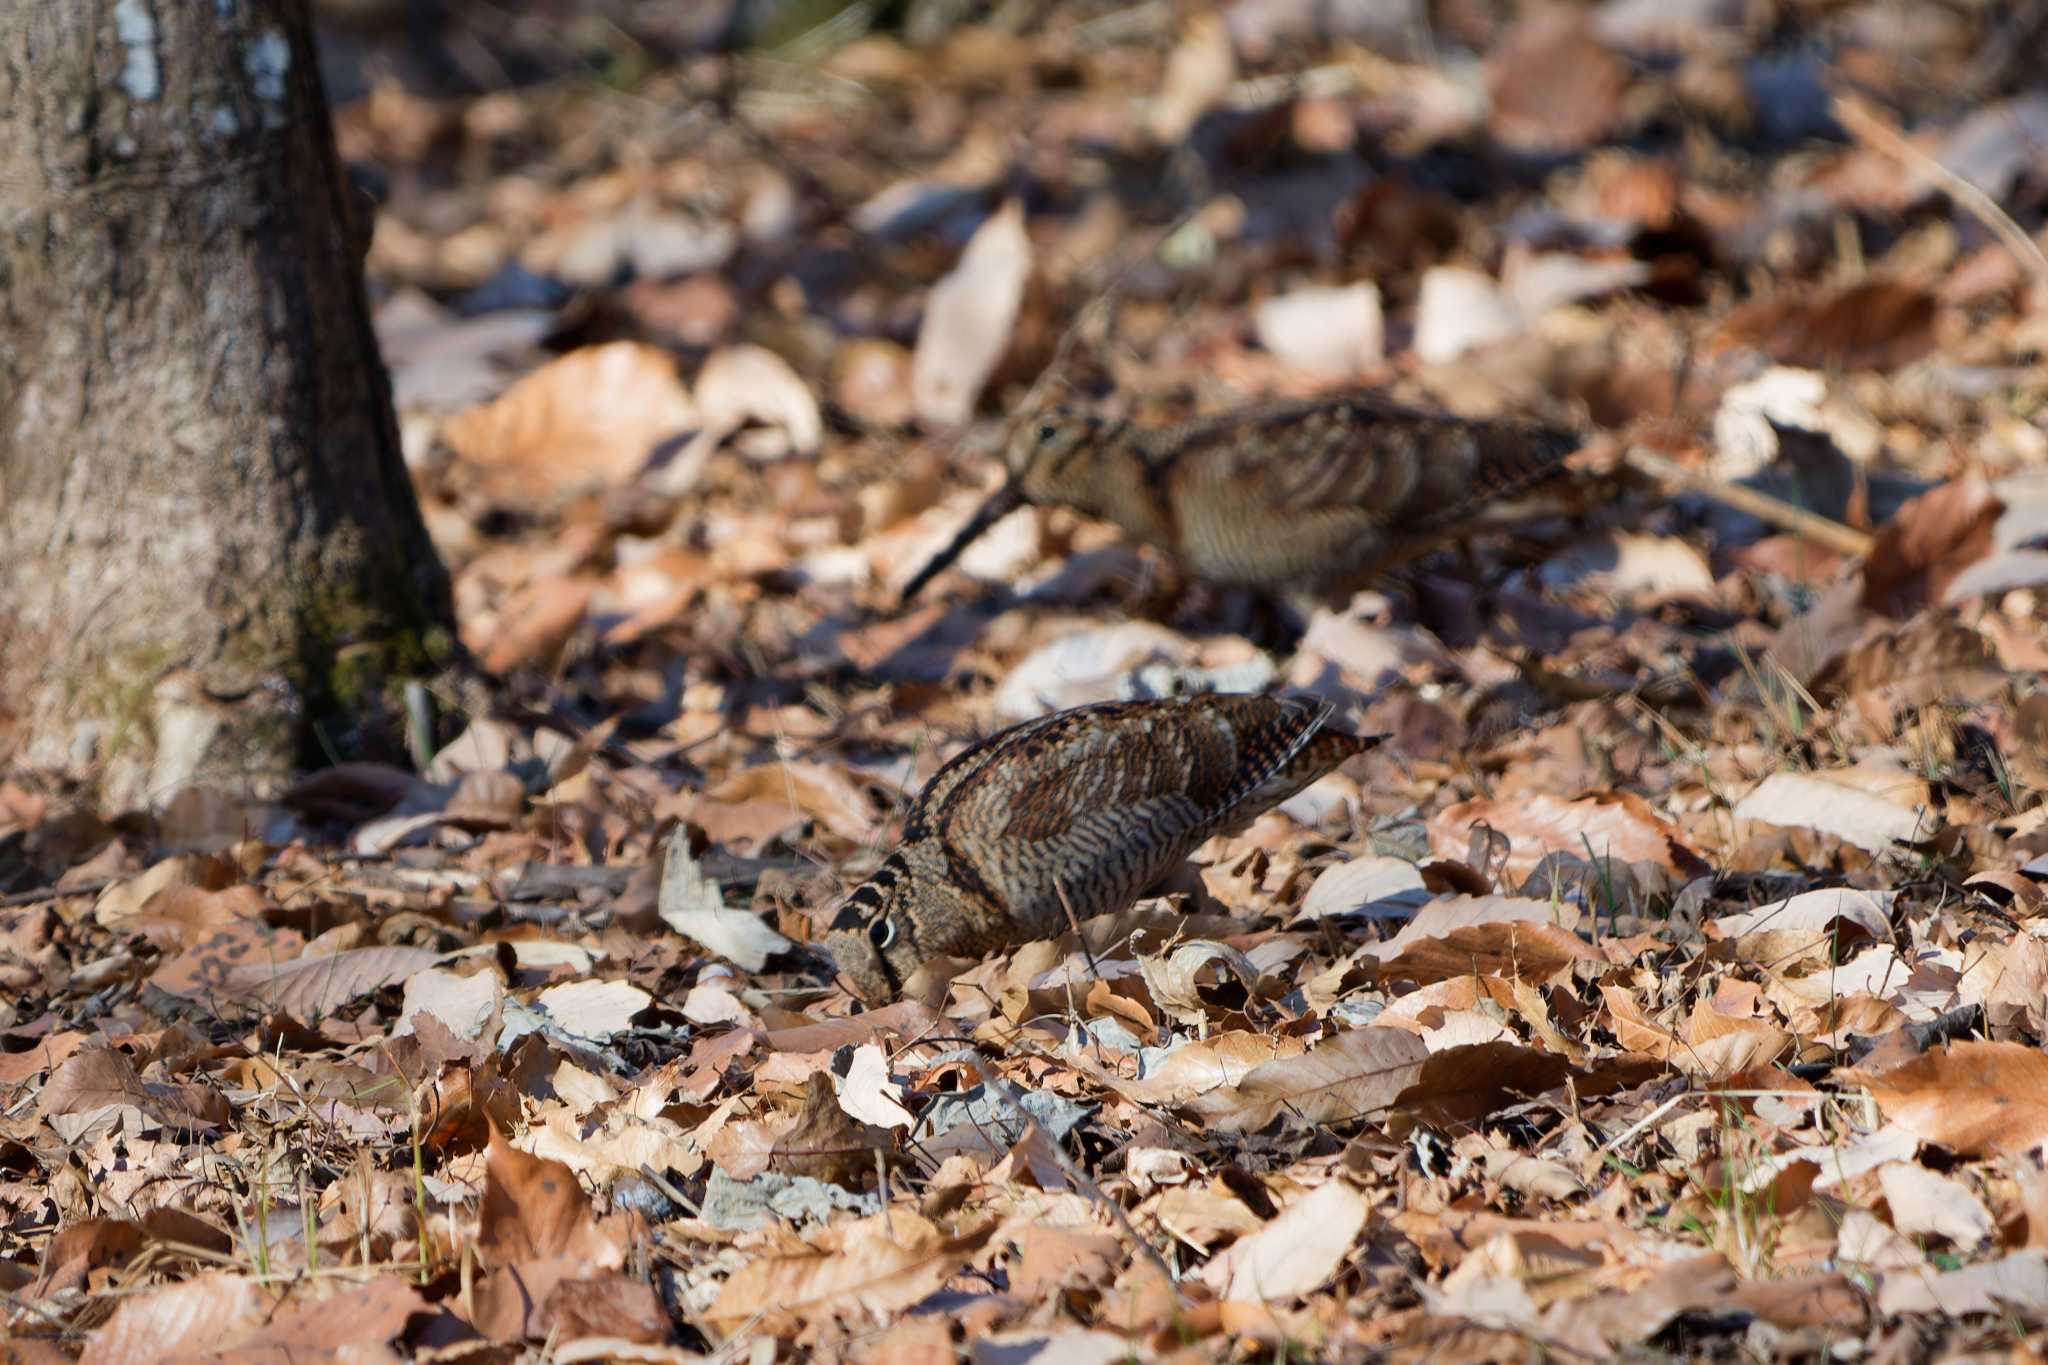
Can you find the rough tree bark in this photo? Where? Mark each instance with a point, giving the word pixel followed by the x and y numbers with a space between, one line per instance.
pixel 212 566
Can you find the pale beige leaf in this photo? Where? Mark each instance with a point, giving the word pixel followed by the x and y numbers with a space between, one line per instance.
pixel 1812 910
pixel 869 1095
pixel 1811 801
pixel 1198 75
pixel 691 904
pixel 1926 1203
pixel 594 1009
pixel 1296 1252
pixel 1332 332
pixel 741 384
pixel 1176 980
pixel 968 320
pixel 2019 1281
pixel 463 1004
pixel 1459 310
pixel 1392 886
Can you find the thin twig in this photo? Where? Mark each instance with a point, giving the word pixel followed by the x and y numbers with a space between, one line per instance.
pixel 1875 131
pixel 1823 531
pixel 51 893
pixel 1074 923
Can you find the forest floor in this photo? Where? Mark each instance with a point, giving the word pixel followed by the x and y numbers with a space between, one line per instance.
pixel 1672 982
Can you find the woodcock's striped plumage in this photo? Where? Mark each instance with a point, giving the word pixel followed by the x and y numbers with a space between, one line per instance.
pixel 1083 810
pixel 1313 497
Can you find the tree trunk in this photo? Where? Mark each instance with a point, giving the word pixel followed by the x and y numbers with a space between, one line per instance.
pixel 212 567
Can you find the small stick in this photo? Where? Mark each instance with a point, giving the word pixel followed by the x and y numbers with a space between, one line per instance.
pixel 1094 967
pixel 1874 130
pixel 1824 531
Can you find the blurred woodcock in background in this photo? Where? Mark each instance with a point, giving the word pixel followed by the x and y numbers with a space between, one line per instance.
pixel 1073 815
pixel 1311 498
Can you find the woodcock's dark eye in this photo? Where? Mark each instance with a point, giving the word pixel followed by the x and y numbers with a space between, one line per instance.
pixel 882 932
pixel 1047 432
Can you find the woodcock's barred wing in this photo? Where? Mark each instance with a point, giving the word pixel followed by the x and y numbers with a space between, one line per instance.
pixel 1083 811
pixel 1315 496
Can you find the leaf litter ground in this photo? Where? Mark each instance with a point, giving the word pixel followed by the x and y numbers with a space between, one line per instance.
pixel 1672 981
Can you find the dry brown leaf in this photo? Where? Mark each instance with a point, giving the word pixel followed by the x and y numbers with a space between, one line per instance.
pixel 1554 86
pixel 1875 324
pixel 1617 825
pixel 1356 1074
pixel 760 803
pixel 1177 980
pixel 83 1247
pixel 534 1210
pixel 196 1315
pixel 312 987
pixel 591 419
pixel 864 1270
pixel 1516 950
pixel 1928 543
pixel 1975 1098
pixel 826 1141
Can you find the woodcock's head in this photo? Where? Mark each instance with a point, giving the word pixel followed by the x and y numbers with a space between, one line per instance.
pixel 1056 457
pixel 873 938
pixel 1049 457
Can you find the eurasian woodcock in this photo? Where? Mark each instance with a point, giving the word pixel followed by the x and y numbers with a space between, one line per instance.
pixel 1314 497
pixel 1079 812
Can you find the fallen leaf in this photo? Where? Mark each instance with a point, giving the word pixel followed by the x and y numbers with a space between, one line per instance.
pixel 2017 1283
pixel 1356 1074
pixel 1333 332
pixel 1461 310
pixel 591 419
pixel 1975 1098
pixel 1295 1253
pixel 742 384
pixel 594 1010
pixel 310 988
pixel 534 1210
pixel 866 1270
pixel 1927 1204
pixel 196 1315
pixel 968 319
pixel 1198 74
pixel 1619 825
pixel 1554 86
pixel 1874 324
pixel 691 903
pixel 1928 544
pixel 1812 801
pixel 869 1095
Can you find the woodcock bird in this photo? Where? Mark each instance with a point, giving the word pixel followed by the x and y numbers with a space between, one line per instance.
pixel 1079 812
pixel 1311 498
